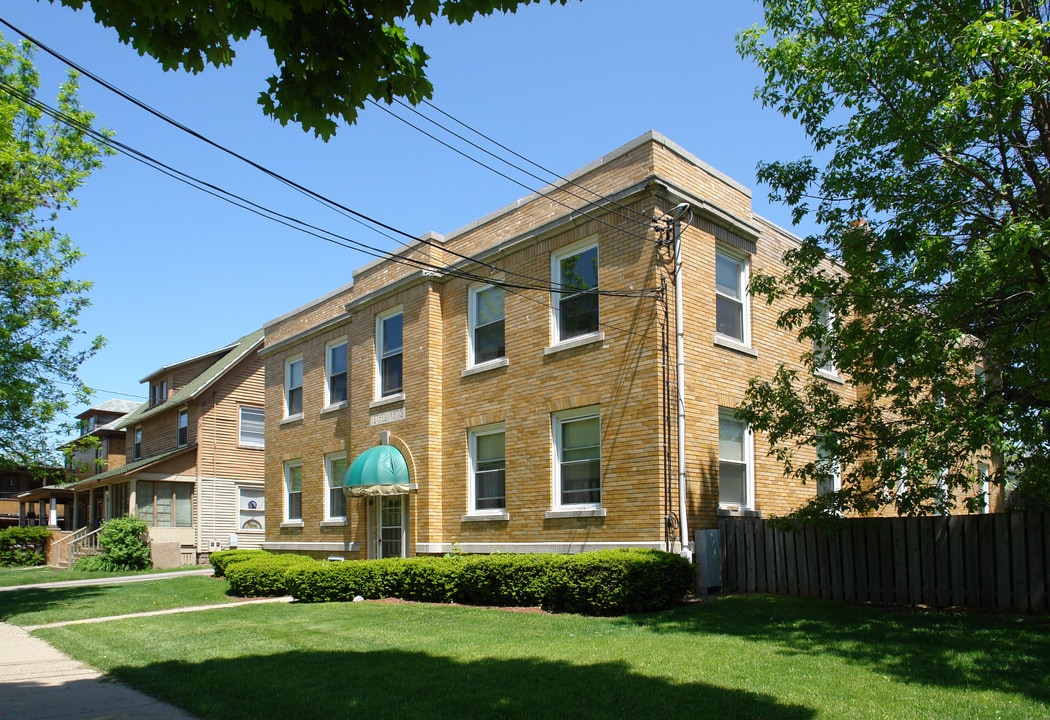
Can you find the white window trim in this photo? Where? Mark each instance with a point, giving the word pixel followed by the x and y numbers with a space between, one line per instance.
pixel 328 373
pixel 836 468
pixel 289 521
pixel 556 281
pixel 984 470
pixel 262 512
pixel 745 273
pixel 472 307
pixel 749 463
pixel 829 369
pixel 472 436
pixel 557 419
pixel 240 428
pixel 378 395
pixel 287 387
pixel 328 487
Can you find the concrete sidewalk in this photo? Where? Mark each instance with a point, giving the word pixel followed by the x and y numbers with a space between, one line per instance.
pixel 37 682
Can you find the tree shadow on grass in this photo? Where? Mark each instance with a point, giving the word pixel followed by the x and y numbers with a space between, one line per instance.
pixel 18 603
pixel 970 650
pixel 410 686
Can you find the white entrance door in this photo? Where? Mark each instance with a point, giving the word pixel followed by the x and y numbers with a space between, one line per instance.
pixel 391 537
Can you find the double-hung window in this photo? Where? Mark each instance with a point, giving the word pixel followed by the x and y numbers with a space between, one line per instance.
pixel 136 446
pixel 731 308
pixel 252 427
pixel 335 369
pixel 735 460
pixel 183 429
pixel 293 491
pixel 293 387
pixel 488 469
pixel 829 470
pixel 335 501
pixel 389 352
pixel 577 467
pixel 575 298
pixel 486 324
pixel 823 360
pixel 983 471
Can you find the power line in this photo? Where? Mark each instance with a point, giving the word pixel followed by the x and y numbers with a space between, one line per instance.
pixel 590 203
pixel 332 204
pixel 535 164
pixel 287 220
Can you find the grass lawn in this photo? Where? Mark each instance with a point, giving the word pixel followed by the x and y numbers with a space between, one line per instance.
pixel 46 605
pixel 10 577
pixel 730 657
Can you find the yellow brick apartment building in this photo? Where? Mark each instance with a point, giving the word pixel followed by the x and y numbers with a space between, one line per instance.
pixel 512 386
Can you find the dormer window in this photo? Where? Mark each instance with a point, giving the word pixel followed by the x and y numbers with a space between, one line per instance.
pixel 158 392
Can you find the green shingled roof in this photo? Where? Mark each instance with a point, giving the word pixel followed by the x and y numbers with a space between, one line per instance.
pixel 133 466
pixel 189 391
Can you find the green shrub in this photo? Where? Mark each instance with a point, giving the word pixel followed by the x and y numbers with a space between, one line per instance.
pixel 224 558
pixel 264 575
pixel 23 546
pixel 123 544
pixel 609 582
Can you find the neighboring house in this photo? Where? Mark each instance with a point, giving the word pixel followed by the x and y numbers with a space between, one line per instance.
pixel 193 457
pixel 107 448
pixel 21 491
pixel 511 386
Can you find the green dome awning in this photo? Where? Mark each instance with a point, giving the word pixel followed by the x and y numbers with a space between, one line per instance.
pixel 380 470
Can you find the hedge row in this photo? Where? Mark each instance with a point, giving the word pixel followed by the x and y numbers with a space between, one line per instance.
pixel 263 576
pixel 222 559
pixel 23 546
pixel 606 582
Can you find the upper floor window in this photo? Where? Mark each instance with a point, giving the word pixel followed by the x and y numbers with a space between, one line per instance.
pixel 735 460
pixel 822 357
pixel 577 450
pixel 335 368
pixel 335 500
pixel 574 273
pixel 183 427
pixel 136 446
pixel 488 469
pixel 389 350
pixel 486 324
pixel 731 308
pixel 252 428
pixel 983 471
pixel 158 392
pixel 293 387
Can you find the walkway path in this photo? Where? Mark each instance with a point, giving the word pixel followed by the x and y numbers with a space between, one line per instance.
pixel 37 682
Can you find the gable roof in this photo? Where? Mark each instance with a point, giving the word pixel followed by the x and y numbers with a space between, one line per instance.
pixel 120 407
pixel 233 354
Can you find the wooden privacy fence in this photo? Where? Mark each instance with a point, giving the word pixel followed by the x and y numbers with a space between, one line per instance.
pixel 1000 560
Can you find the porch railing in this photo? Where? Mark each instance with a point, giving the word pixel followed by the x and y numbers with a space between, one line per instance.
pixel 66 549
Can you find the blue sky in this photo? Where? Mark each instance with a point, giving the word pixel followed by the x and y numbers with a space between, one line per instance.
pixel 177 272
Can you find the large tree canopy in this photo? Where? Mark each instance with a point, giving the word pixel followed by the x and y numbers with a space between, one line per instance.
pixel 332 55
pixel 42 162
pixel 932 118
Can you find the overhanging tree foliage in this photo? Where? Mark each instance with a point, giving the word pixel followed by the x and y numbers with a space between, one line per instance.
pixel 332 56
pixel 42 162
pixel 934 204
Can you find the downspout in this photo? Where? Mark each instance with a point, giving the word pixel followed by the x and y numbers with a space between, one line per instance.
pixel 683 513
